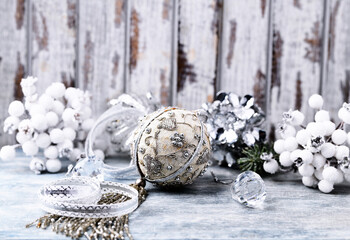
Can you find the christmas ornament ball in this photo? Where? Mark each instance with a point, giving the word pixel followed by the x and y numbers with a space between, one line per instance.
pixel 171 147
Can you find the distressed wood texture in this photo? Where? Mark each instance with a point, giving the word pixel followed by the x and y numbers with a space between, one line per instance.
pixel 336 89
pixel 204 210
pixel 244 48
pixel 13 23
pixel 101 50
pixel 196 52
pixel 53 39
pixel 150 48
pixel 296 55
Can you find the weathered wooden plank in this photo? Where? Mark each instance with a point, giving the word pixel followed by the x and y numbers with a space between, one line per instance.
pixel 101 50
pixel 204 210
pixel 197 52
pixel 53 36
pixel 244 48
pixel 296 55
pixel 150 48
pixel 336 89
pixel 13 24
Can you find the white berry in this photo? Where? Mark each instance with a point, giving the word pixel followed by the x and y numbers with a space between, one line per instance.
pixel 26 126
pixel 88 124
pixel 72 124
pixel 330 174
pixel 303 136
pixel 279 146
pixel 37 165
pixel 37 109
pixel 7 153
pixel 68 115
pixel 316 101
pixel 46 101
pixel 290 144
pixel 328 150
pixel 56 135
pixel 76 104
pixel 325 186
pixel 39 122
pixel 340 177
pixel 16 108
pixel 285 159
pixel 70 93
pixel 51 152
pixel 329 127
pixel 69 133
pixel 56 90
pixel 11 122
pixel 306 156
pixel 344 115
pixel 322 116
pixel 309 181
pixel 347 177
pixel 289 131
pixel 58 107
pixel 65 144
pixel 318 174
pixel 341 152
pixel 339 136
pixel 53 165
pixel 270 166
pixel 43 140
pixel 318 161
pixel 52 119
pixel 316 129
pixel 30 148
pixel 86 113
pixel 21 137
pixel 295 154
pixel 297 118
pixel 306 170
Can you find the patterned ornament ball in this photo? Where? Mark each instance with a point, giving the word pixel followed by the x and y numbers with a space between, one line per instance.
pixel 171 147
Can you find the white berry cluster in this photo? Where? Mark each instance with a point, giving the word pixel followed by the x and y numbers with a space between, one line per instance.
pixel 55 123
pixel 319 150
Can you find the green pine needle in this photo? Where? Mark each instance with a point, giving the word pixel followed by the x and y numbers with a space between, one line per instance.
pixel 252 161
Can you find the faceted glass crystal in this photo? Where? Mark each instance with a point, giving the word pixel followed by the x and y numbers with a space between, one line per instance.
pixel 249 189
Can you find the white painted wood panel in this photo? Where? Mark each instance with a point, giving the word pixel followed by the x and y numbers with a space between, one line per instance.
pixel 336 89
pixel 296 55
pixel 196 52
pixel 53 39
pixel 244 48
pixel 101 50
pixel 150 48
pixel 13 23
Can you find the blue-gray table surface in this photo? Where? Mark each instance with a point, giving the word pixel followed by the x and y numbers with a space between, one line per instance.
pixel 204 210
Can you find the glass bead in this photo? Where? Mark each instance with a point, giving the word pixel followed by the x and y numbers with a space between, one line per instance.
pixel 249 189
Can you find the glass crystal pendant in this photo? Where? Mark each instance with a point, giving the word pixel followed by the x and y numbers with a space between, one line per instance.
pixel 249 189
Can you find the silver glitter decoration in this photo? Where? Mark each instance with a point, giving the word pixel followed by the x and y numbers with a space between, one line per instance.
pixel 120 130
pixel 233 123
pixel 177 139
pixel 315 143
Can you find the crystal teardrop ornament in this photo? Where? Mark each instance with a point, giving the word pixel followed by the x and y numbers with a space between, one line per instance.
pixel 249 189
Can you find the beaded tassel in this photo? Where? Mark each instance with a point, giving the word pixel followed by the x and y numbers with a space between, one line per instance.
pixel 94 228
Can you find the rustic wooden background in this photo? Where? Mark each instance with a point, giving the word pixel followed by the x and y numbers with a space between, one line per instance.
pixel 182 51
